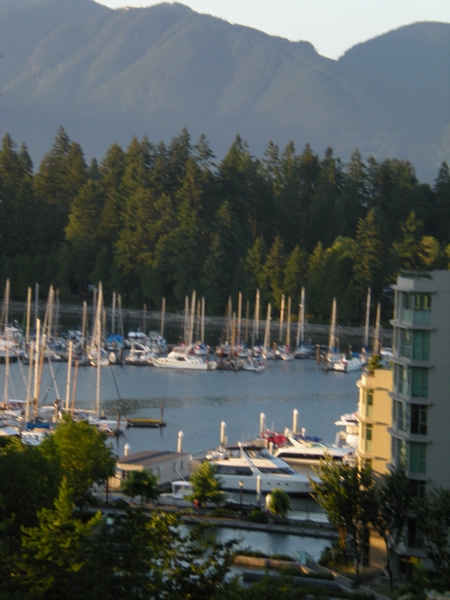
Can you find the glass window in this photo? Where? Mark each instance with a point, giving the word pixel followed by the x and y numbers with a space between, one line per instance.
pixel 405 343
pixel 368 406
pixel 418 419
pixel 419 382
pixel 417 458
pixel 368 432
pixel 421 345
pixel 417 488
pixel 422 308
pixel 415 539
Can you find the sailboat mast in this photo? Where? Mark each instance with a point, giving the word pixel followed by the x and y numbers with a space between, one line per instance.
pixel 332 341
pixel 99 341
pixel 376 341
pixel 163 312
pixel 239 317
pixel 280 336
pixel 288 325
pixel 366 329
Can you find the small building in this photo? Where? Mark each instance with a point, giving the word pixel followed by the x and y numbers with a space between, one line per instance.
pixel 166 465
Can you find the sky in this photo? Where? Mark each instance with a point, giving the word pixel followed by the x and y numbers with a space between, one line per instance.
pixel 332 26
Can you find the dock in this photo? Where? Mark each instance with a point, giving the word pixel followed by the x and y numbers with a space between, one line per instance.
pixel 154 423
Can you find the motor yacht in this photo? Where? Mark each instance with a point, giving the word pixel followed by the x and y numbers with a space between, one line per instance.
pixel 251 468
pixel 183 357
pixel 306 450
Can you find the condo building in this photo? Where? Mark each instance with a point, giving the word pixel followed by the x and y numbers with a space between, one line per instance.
pixel 421 387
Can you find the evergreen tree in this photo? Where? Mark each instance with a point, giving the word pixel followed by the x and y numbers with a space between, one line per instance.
pixel 323 216
pixel 295 271
pixel 61 174
pixel 408 250
pixel 56 555
pixel 353 199
pixel 442 210
pixel 272 274
pixel 82 232
pixel 369 254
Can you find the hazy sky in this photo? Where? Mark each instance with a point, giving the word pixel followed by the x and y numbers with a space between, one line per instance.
pixel 332 26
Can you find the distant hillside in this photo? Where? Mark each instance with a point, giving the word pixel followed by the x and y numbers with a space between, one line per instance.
pixel 105 75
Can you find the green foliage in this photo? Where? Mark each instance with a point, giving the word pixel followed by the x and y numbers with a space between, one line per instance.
pixel 140 483
pixel 279 502
pixel 346 493
pixel 160 221
pixel 206 486
pixel 433 517
pixel 375 362
pixel 83 456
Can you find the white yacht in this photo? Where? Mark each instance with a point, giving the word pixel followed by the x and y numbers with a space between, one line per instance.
pixel 183 357
pixel 140 355
pixel 305 450
pixel 345 364
pixel 242 466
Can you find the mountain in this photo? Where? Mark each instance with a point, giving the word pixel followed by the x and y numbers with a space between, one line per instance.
pixel 105 75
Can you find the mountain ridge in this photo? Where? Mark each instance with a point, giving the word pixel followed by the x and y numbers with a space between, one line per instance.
pixel 106 75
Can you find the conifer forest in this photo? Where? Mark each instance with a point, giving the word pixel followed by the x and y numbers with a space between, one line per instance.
pixel 157 220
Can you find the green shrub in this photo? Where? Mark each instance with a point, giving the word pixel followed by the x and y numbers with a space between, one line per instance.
pixel 257 516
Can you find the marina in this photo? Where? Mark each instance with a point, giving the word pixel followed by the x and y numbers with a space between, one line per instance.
pixel 197 402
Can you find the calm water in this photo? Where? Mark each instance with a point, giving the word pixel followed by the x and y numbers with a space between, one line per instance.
pixel 197 402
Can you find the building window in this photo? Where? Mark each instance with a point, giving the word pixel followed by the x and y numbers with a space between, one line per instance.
pixel 367 434
pixel 405 343
pixel 422 308
pixel 419 381
pixel 415 539
pixel 417 488
pixel 418 419
pixel 399 451
pixel 367 403
pixel 415 307
pixel 421 345
pixel 417 458
pixel 403 380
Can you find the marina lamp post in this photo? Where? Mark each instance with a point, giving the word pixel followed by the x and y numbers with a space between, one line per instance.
pixel 241 487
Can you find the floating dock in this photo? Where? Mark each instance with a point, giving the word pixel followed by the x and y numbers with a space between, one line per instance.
pixel 155 423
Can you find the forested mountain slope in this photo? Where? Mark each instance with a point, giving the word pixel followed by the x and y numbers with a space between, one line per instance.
pixel 105 75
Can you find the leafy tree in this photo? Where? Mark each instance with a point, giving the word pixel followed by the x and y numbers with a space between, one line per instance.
pixel 279 502
pixel 28 481
pixel 56 554
pixel 82 453
pixel 433 513
pixel 346 493
pixel 206 486
pixel 141 483
pixel 393 500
